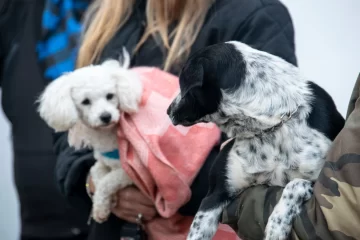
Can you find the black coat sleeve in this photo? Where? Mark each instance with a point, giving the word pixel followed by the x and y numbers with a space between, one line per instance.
pixel 72 167
pixel 270 29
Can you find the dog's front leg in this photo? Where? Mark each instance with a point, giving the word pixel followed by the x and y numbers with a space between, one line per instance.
pixel 208 217
pixel 107 186
pixel 289 206
pixel 98 171
pixel 206 221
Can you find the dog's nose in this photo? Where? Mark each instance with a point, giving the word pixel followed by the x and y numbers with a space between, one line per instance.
pixel 168 111
pixel 105 117
pixel 174 122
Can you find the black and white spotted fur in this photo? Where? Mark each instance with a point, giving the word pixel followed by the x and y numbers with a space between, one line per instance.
pixel 281 123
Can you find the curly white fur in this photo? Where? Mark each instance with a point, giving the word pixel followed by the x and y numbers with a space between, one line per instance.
pixel 88 102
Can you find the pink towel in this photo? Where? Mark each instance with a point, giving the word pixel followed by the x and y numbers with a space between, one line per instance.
pixel 162 159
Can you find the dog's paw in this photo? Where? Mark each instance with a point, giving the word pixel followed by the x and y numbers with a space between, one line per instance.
pixel 100 213
pixel 276 231
pixel 279 224
pixel 204 225
pixel 289 206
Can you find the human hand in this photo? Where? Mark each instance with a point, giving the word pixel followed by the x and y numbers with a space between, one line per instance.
pixel 130 202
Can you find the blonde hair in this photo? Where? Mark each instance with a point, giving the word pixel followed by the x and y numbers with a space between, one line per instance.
pixel 105 17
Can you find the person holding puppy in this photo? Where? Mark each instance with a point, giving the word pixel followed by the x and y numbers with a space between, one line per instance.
pixel 163 34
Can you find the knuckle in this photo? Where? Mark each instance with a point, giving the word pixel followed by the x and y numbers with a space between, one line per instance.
pixel 125 205
pixel 150 213
pixel 118 213
pixel 127 195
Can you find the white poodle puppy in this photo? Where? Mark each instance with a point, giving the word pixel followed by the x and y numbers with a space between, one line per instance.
pixel 88 102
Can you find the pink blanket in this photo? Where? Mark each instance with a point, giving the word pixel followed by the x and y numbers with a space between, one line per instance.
pixel 163 160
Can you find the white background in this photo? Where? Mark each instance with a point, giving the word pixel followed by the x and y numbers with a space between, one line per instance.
pixel 328 50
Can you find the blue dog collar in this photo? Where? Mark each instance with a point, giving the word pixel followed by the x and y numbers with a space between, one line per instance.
pixel 112 154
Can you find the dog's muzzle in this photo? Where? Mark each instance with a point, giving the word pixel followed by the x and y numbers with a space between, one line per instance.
pixel 170 113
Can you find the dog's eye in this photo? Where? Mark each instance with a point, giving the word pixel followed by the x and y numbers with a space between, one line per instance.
pixel 85 102
pixel 109 96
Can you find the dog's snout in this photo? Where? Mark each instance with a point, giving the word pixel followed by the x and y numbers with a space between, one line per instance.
pixel 171 115
pixel 169 111
pixel 105 117
pixel 174 122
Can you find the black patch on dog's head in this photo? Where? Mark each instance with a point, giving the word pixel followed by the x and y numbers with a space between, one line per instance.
pixel 205 74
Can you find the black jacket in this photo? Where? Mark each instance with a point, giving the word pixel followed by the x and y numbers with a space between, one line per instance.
pixel 44 211
pixel 263 24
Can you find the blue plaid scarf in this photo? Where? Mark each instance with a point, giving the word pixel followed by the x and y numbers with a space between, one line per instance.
pixel 61 28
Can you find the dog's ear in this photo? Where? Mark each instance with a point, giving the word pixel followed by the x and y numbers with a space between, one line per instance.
pixel 196 99
pixel 56 106
pixel 128 89
pixel 192 75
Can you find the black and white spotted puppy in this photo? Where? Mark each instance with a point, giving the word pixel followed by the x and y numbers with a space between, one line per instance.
pixel 281 123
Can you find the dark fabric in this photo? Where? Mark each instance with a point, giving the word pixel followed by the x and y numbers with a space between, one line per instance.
pixel 80 237
pixel 111 229
pixel 44 211
pixel 332 212
pixel 263 24
pixel 61 28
